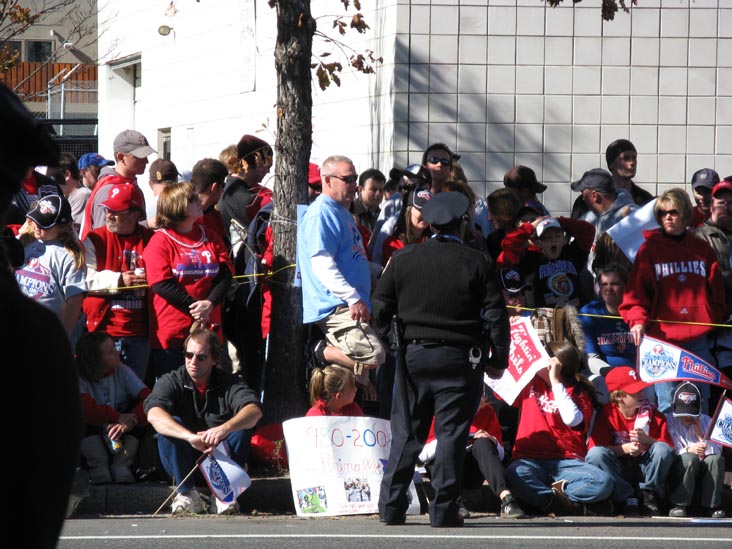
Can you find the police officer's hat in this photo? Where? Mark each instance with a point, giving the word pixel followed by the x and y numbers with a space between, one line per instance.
pixel 445 210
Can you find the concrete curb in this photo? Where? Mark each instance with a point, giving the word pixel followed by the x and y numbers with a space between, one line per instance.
pixel 265 495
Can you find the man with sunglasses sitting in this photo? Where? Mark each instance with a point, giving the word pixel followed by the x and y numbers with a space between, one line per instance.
pixel 336 277
pixel 193 409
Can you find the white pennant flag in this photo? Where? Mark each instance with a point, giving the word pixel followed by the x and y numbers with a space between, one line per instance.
pixel 722 425
pixel 226 478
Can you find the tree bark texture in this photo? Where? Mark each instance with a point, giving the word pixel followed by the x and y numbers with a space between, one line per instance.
pixel 285 394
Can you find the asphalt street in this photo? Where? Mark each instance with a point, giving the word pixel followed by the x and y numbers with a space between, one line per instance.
pixel 267 532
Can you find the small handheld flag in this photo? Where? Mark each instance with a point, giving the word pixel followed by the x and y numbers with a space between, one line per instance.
pixel 226 478
pixel 662 361
pixel 721 424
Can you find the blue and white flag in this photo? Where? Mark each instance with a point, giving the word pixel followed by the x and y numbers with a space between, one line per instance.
pixel 226 478
pixel 721 432
pixel 661 361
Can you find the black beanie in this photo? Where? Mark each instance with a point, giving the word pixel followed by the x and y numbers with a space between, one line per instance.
pixel 615 148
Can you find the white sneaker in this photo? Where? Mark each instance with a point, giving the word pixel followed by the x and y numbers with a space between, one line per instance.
pixel 188 502
pixel 226 508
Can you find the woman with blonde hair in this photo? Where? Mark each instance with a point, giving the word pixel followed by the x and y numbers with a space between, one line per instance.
pixel 54 268
pixel 675 291
pixel 189 272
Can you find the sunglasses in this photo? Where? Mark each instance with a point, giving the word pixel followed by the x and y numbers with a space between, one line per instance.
pixel 350 179
pixel 441 161
pixel 199 356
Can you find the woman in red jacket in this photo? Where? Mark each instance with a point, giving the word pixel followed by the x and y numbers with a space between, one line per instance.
pixel 675 289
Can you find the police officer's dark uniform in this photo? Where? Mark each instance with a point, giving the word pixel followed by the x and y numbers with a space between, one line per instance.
pixel 447 298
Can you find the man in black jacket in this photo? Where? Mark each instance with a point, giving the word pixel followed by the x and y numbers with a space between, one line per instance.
pixel 196 407
pixel 453 313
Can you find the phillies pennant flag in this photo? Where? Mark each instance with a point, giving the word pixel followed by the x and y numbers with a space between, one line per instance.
pixel 226 478
pixel 661 361
pixel 526 357
pixel 721 427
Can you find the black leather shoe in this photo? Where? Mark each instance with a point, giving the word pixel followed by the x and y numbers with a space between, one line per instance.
pixel 457 522
pixel 394 521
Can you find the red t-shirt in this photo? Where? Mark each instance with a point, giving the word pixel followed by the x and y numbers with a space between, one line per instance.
pixel 193 260
pixel 612 428
pixel 541 432
pixel 320 409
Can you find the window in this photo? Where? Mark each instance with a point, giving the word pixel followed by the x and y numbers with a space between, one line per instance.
pixel 164 144
pixel 38 50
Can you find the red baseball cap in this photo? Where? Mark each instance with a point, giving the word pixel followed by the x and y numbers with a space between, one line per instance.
pixel 124 196
pixel 626 379
pixel 724 185
pixel 314 174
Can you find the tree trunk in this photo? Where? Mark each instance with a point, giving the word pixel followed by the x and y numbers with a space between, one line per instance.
pixel 285 394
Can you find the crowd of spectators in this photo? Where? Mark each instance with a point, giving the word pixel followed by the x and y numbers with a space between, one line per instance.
pixel 145 291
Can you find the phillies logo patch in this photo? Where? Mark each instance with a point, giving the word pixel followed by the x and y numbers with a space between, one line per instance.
pixel 658 361
pixel 686 398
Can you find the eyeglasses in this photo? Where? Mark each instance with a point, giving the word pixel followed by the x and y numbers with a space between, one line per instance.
pixel 436 160
pixel 672 213
pixel 200 357
pixel 350 179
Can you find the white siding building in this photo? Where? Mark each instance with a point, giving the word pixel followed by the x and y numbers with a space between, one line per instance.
pixel 502 82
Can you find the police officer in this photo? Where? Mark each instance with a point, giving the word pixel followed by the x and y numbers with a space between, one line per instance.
pixel 452 312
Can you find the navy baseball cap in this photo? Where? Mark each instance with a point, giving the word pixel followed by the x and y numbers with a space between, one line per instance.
pixel 705 177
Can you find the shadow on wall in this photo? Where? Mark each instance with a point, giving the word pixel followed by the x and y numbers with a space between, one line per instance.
pixel 428 109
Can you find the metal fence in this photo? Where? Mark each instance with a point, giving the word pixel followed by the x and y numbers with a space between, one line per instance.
pixel 71 115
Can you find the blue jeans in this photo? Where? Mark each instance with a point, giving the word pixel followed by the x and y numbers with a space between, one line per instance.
pixel 178 457
pixel 134 352
pixel 654 467
pixel 665 390
pixel 531 480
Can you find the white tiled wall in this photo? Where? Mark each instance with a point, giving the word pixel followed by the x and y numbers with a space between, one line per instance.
pixel 502 82
pixel 507 82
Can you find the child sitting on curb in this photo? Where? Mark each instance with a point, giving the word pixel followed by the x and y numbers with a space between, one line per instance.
pixel 332 390
pixel 630 440
pixel 700 465
pixel 111 401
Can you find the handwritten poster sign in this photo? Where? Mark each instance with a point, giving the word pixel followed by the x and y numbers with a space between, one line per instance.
pixel 526 356
pixel 336 464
